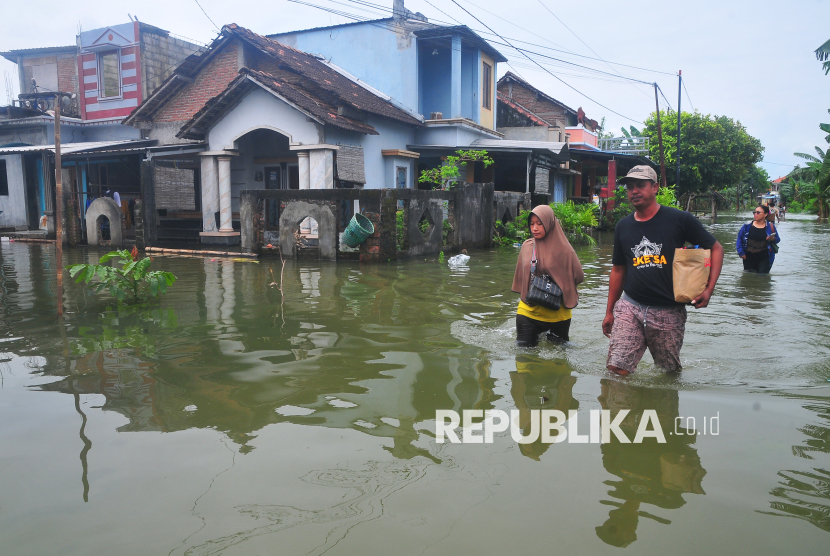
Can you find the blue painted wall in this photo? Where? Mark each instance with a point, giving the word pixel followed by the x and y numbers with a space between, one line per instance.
pixel 435 81
pixel 385 59
pixel 392 136
pixel 469 83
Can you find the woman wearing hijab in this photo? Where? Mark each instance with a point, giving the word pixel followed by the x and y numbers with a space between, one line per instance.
pixel 555 258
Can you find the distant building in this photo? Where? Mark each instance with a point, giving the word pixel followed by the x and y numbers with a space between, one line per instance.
pixel 526 113
pixel 105 76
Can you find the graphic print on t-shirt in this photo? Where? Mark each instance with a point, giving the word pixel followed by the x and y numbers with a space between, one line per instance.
pixel 647 254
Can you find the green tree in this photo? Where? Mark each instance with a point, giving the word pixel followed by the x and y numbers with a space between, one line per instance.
pixel 447 175
pixel 715 151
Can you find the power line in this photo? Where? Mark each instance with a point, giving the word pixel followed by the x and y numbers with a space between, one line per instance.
pixel 683 81
pixel 515 40
pixel 664 96
pixel 520 27
pixel 546 70
pixel 583 42
pixel 523 52
pixel 618 75
pixel 442 11
pixel 206 15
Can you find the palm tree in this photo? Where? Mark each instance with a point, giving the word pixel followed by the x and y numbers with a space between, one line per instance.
pixel 823 55
pixel 820 166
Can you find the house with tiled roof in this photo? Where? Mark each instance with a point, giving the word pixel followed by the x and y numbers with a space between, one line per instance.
pixel 521 105
pixel 270 116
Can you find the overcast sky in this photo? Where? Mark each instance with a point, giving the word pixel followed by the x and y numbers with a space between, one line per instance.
pixel 751 60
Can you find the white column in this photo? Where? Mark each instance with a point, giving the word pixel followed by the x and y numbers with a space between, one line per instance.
pixel 302 163
pixel 225 224
pixel 321 169
pixel 210 193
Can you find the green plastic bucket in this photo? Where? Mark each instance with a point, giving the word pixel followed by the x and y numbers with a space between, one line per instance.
pixel 358 230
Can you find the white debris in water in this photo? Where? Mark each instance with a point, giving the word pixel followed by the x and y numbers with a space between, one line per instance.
pixel 341 403
pixel 458 260
pixel 293 410
pixel 365 424
pixel 390 421
pixel 191 408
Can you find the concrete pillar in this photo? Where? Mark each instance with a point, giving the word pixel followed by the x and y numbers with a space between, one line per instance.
pixel 321 169
pixel 478 86
pixel 612 177
pixel 210 193
pixel 302 163
pixel 455 78
pixel 224 167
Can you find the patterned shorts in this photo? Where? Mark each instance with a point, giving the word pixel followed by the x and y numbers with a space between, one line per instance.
pixel 637 327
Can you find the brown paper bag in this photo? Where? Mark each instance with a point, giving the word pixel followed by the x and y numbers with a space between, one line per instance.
pixel 690 273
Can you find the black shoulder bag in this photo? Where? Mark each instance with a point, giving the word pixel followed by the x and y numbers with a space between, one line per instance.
pixel 542 289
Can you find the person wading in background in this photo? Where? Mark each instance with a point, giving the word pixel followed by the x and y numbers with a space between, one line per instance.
pixel 773 214
pixel 755 242
pixel 641 311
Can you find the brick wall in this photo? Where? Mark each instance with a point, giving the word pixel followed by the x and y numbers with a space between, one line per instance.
pixel 539 106
pixel 211 81
pixel 68 74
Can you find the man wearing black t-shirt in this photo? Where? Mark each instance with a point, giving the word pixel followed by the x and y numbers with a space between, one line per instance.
pixel 641 311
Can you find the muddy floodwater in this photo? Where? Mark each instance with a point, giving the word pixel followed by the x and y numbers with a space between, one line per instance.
pixel 224 420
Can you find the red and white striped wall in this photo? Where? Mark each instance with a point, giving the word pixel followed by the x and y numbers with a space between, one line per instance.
pixel 124 40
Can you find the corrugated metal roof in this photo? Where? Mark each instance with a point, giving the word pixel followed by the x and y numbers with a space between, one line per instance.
pixel 503 144
pixel 12 55
pixel 368 21
pixel 70 148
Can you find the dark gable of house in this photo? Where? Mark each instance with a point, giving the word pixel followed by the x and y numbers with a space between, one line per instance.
pixel 349 164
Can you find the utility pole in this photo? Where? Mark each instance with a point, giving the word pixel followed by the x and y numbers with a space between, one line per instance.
pixel 58 204
pixel 677 152
pixel 660 140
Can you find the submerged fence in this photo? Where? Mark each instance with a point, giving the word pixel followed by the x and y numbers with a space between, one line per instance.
pixel 408 222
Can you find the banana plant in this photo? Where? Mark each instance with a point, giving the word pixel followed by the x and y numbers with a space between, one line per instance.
pixel 133 282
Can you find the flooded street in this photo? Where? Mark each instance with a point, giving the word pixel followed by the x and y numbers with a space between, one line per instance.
pixel 222 420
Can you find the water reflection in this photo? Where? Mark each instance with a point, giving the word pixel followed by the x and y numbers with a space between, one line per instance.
pixel 649 473
pixel 540 384
pixel 366 355
pixel 805 494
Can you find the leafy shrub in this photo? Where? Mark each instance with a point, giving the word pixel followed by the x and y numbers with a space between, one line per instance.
pixel 666 197
pixel 133 282
pixel 508 233
pixel 575 219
